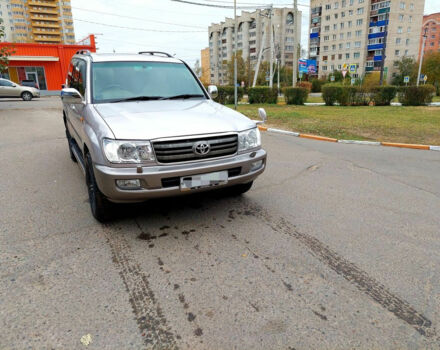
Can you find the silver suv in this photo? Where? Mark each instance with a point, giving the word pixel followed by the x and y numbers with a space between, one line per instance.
pixel 142 126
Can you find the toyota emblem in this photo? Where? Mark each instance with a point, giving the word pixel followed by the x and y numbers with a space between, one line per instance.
pixel 201 148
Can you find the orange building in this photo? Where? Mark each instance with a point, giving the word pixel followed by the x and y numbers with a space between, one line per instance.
pixel 46 64
pixel 431 24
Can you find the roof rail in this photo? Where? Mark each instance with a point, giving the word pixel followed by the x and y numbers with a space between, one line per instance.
pixel 83 52
pixel 152 53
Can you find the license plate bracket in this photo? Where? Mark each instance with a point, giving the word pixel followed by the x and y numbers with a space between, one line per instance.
pixel 194 182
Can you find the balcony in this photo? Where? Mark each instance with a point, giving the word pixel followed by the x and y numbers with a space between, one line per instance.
pixel 375 47
pixel 52 39
pixel 44 11
pixel 45 25
pixel 50 19
pixel 376 35
pixel 44 32
pixel 379 23
pixel 43 4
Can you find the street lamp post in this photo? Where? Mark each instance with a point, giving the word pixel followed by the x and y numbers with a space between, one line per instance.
pixel 421 56
pixel 235 55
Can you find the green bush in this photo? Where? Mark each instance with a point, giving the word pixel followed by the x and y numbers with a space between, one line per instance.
pixel 263 94
pixel 296 96
pixel 416 95
pixel 330 94
pixel 345 95
pixel 226 95
pixel 317 85
pixel 383 95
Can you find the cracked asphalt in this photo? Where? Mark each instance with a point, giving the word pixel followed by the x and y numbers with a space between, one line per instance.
pixel 336 246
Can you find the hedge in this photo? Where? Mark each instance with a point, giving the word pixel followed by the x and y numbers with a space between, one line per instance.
pixel 383 95
pixel 345 95
pixel 262 94
pixel 296 96
pixel 416 95
pixel 317 85
pixel 305 84
pixel 226 94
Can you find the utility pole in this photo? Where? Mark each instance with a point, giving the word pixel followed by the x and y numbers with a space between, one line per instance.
pixel 271 49
pixel 295 43
pixel 382 64
pixel 235 55
pixel 421 56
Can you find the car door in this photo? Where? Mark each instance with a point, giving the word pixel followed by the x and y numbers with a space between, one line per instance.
pixel 9 89
pixel 78 81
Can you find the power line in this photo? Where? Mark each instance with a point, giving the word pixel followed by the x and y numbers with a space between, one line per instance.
pixel 253 3
pixel 136 18
pixel 145 44
pixel 142 29
pixel 219 6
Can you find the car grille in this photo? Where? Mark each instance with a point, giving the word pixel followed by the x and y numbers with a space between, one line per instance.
pixel 182 150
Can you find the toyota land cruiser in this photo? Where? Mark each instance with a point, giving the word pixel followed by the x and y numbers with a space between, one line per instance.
pixel 142 126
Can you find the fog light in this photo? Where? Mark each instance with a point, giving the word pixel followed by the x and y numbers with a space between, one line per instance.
pixel 132 184
pixel 256 165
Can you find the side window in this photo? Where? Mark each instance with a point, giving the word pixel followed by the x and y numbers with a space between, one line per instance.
pixel 5 83
pixel 81 80
pixel 70 74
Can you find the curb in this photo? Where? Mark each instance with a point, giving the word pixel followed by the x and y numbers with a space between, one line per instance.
pixel 354 142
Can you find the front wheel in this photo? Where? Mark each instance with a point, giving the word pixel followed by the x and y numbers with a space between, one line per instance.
pixel 100 206
pixel 26 96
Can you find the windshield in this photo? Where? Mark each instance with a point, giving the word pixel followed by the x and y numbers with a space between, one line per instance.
pixel 119 81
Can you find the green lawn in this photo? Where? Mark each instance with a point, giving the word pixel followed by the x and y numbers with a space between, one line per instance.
pixel 392 124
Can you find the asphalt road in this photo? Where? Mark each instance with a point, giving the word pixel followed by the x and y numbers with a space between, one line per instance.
pixel 336 246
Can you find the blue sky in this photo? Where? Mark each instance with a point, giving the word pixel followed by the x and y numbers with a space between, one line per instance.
pixel 185 39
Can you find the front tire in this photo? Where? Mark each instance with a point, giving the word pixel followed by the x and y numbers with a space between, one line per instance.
pixel 26 96
pixel 99 204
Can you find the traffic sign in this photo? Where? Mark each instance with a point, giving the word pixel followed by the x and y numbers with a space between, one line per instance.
pixel 300 75
pixel 345 66
pixel 353 81
pixel 332 78
pixel 344 72
pixel 406 79
pixel 425 78
pixel 353 68
pixel 422 77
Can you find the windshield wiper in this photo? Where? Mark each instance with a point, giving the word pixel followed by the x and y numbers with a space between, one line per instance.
pixel 184 96
pixel 138 98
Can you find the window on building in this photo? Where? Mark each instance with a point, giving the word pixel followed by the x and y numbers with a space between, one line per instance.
pixel 402 5
pixel 397 53
pixel 360 11
pixel 357 55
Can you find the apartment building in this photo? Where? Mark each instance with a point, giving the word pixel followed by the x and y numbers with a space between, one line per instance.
pixel 431 28
pixel 250 36
pixel 40 21
pixel 363 33
pixel 205 66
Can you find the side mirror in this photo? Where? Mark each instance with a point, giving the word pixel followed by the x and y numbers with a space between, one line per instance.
pixel 63 86
pixel 14 85
pixel 263 115
pixel 213 91
pixel 70 95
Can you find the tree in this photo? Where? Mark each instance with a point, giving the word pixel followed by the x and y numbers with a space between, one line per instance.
pixel 5 52
pixel 197 69
pixel 431 67
pixel 407 66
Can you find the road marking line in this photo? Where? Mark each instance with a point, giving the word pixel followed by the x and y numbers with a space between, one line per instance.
pixel 355 142
pixel 284 132
pixel 434 148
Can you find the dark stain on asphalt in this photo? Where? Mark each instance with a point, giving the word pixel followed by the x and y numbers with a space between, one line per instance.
pixel 198 332
pixel 288 286
pixel 321 316
pixel 255 307
pixel 191 317
pixel 153 326
pixel 163 235
pixel 151 246
pixel 349 271
pixel 182 298
pixel 159 261
pixel 176 286
pixel 185 233
pixel 146 237
pixel 231 214
pixel 164 227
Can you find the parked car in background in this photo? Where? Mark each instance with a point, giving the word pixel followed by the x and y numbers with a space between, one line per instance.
pixel 143 126
pixel 10 89
pixel 29 83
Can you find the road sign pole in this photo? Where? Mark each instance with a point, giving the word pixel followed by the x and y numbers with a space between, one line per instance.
pixel 421 56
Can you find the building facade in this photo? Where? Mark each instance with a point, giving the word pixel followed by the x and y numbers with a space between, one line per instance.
pixel 251 28
pixel 39 21
pixel 431 26
pixel 363 34
pixel 45 64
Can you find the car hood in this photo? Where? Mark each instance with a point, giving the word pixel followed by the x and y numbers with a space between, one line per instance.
pixel 149 120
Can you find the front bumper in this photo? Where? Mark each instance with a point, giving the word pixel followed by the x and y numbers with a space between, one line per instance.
pixel 164 180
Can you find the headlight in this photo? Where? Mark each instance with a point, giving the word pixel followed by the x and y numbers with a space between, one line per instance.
pixel 118 151
pixel 249 139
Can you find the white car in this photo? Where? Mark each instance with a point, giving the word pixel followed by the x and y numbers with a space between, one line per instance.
pixel 10 89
